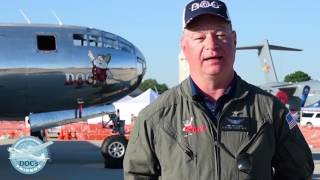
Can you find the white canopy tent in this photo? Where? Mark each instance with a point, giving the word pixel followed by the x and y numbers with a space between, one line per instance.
pixel 132 107
pixel 124 99
pixel 106 118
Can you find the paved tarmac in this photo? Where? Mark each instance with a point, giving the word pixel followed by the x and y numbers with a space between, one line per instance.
pixel 78 160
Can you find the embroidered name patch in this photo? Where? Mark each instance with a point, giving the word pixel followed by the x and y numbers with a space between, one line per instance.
pixel 235 124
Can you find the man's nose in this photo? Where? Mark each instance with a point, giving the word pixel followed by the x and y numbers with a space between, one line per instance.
pixel 211 42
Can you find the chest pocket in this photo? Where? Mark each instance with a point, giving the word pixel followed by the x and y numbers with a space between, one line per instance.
pixel 178 140
pixel 236 131
pixel 249 142
pixel 177 159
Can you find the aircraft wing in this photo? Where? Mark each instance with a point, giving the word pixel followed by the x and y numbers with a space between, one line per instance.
pixel 282 48
pixel 271 47
pixel 289 89
pixel 249 47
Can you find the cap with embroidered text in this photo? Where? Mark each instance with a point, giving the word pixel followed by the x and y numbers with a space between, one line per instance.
pixel 200 7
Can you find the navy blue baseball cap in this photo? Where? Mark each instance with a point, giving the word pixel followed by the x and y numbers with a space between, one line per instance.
pixel 200 7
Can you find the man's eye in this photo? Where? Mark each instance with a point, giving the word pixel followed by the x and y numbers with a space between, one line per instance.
pixel 221 36
pixel 198 38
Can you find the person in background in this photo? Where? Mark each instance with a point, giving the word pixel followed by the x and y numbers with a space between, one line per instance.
pixel 133 119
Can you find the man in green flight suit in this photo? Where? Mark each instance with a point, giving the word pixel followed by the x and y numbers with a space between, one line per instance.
pixel 214 125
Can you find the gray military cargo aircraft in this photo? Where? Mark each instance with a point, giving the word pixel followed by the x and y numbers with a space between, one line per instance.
pixel 295 95
pixel 58 74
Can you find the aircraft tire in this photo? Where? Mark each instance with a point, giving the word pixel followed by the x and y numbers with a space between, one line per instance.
pixel 113 149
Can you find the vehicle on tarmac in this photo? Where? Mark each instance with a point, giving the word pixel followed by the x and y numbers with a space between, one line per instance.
pixel 310 117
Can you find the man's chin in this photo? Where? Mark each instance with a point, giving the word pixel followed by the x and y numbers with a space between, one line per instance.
pixel 215 72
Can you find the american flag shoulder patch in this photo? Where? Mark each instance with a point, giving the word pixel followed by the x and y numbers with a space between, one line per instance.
pixel 291 121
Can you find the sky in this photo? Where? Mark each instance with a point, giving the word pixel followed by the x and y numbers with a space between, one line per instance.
pixel 155 28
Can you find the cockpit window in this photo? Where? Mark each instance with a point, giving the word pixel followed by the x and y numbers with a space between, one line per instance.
pixel 103 40
pixel 46 42
pixel 80 40
pixel 125 46
pixel 95 41
pixel 141 66
pixel 110 41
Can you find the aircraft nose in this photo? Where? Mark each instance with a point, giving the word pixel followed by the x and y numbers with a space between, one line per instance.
pixel 141 61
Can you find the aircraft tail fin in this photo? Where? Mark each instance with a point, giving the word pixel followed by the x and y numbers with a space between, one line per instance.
pixel 265 57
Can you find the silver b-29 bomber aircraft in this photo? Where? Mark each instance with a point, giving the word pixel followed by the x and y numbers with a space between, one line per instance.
pixel 58 74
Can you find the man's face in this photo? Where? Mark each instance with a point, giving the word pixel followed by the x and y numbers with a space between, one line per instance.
pixel 209 45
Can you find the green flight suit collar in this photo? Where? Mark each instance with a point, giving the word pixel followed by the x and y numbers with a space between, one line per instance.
pixel 241 89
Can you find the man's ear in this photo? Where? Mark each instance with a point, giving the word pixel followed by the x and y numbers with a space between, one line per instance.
pixel 182 43
pixel 234 34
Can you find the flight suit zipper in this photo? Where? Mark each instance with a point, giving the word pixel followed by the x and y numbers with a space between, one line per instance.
pixel 212 129
pixel 218 140
pixel 217 135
